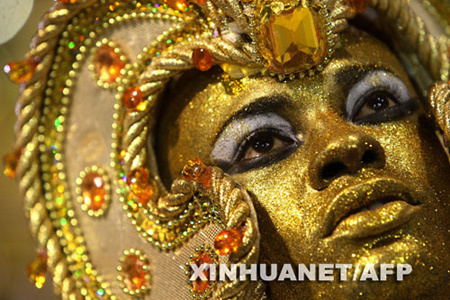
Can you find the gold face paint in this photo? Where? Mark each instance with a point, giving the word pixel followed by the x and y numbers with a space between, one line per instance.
pixel 360 183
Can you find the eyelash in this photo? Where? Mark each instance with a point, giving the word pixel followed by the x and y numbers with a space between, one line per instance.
pixel 240 165
pixel 232 150
pixel 244 144
pixel 401 108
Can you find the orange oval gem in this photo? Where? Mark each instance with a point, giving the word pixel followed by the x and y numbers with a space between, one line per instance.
pixel 22 71
pixel 202 59
pixel 228 241
pixel 107 64
pixel 199 286
pixel 139 182
pixel 177 4
pixel 93 191
pixel 197 171
pixel 132 98
pixel 134 273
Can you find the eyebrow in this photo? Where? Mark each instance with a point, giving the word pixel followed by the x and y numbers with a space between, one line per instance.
pixel 347 77
pixel 259 105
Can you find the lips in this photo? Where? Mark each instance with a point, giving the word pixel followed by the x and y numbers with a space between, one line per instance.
pixel 370 208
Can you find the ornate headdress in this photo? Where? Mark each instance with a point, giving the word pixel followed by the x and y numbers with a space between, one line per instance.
pixel 90 85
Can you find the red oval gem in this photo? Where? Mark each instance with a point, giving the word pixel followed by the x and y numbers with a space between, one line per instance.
pixel 228 241
pixel 202 59
pixel 132 97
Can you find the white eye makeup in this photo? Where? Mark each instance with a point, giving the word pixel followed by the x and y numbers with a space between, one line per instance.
pixel 254 141
pixel 261 139
pixel 379 97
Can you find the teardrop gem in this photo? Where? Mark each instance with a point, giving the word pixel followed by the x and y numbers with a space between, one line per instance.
pixel 10 162
pixel 140 184
pixel 37 270
pixel 22 71
pixel 197 171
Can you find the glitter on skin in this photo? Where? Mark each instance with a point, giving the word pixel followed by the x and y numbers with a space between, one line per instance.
pixel 290 210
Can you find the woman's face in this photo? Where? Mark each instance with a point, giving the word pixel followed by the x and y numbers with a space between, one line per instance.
pixel 342 166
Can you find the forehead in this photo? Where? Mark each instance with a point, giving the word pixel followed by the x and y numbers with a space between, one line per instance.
pixel 199 106
pixel 360 54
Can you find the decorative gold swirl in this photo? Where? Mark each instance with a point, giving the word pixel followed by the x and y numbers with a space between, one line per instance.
pixel 439 100
pixel 28 170
pixel 432 52
pixel 233 202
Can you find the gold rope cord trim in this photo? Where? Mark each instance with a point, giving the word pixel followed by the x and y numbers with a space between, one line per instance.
pixel 232 201
pixel 439 99
pixel 432 52
pixel 28 170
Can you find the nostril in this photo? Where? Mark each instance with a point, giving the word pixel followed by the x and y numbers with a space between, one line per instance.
pixel 333 170
pixel 369 157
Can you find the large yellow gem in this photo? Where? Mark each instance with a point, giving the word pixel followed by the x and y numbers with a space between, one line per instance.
pixel 294 40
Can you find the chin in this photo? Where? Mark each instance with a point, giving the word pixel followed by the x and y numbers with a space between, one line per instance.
pixel 429 261
pixel 422 283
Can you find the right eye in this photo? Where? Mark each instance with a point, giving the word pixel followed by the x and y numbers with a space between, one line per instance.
pixel 379 97
pixel 253 142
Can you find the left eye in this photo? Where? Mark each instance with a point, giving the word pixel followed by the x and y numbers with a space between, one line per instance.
pixel 376 102
pixel 262 143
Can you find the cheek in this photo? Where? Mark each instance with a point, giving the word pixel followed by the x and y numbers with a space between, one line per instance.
pixel 413 151
pixel 191 136
pixel 288 210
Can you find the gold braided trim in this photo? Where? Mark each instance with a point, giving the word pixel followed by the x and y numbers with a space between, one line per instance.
pixel 29 138
pixel 439 99
pixel 233 202
pixel 432 52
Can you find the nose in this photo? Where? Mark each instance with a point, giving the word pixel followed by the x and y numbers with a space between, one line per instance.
pixel 345 156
